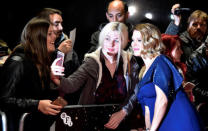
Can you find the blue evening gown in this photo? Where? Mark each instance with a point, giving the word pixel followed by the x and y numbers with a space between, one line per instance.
pixel 181 115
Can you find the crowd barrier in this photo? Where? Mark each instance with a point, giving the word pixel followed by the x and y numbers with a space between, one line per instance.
pixel 84 117
pixel 79 118
pixel 3 121
pixel 22 120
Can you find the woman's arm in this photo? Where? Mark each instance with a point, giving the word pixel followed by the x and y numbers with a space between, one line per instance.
pixel 89 69
pixel 160 108
pixel 117 117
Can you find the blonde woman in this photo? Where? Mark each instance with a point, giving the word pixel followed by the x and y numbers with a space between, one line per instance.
pixel 165 105
pixel 104 76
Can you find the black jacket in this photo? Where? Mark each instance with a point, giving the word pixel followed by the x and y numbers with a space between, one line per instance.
pixel 21 89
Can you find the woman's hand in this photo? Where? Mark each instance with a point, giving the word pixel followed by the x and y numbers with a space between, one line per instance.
pixel 188 87
pixel 56 69
pixel 47 108
pixel 115 119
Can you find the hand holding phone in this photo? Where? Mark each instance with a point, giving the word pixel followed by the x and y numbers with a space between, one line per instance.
pixel 57 68
pixel 61 61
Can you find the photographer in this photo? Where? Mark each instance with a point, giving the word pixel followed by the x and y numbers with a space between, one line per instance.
pixel 194 47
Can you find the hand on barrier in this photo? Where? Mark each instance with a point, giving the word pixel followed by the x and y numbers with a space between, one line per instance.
pixel 115 119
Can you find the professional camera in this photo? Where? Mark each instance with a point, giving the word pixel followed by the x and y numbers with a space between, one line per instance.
pixel 179 11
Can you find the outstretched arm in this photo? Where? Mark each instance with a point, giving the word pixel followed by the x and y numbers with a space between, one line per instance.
pixel 117 117
pixel 160 108
pixel 177 18
pixel 173 27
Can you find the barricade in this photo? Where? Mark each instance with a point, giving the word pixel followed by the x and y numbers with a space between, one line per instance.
pixel 3 121
pixel 84 117
pixel 22 120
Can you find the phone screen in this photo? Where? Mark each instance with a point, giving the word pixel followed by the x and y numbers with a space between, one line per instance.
pixel 61 61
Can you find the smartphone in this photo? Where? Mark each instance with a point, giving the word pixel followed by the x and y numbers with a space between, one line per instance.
pixel 61 61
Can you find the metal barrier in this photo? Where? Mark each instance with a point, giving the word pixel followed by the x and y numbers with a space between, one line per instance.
pixel 21 123
pixel 79 117
pixel 84 117
pixel 3 121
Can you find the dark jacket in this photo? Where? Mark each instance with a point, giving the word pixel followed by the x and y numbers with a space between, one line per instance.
pixel 89 75
pixel 21 89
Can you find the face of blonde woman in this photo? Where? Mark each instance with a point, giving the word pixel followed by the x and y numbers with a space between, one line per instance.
pixel 137 44
pixel 111 43
pixel 51 37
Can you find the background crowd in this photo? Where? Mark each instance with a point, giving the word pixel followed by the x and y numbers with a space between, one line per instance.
pixel 149 68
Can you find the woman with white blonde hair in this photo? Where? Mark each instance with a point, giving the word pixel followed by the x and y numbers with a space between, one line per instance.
pixel 104 73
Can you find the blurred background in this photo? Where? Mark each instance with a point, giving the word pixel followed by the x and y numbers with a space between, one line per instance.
pixel 86 16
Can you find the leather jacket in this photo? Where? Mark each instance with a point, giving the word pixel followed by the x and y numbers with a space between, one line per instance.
pixel 21 89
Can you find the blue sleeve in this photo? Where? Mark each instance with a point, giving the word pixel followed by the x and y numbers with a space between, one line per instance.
pixel 172 29
pixel 162 77
pixel 166 76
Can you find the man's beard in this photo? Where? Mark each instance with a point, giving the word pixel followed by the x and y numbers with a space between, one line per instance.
pixel 197 35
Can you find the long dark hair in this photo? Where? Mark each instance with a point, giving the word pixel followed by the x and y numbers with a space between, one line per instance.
pixel 34 40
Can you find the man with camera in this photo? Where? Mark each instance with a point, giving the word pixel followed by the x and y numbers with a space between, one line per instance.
pixel 194 45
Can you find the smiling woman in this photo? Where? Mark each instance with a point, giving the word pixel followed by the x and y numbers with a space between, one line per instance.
pixel 161 94
pixel 51 37
pixel 25 78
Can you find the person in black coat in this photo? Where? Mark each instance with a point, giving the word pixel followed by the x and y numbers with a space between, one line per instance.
pixel 25 79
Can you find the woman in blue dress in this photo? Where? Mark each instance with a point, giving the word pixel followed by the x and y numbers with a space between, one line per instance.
pixel 165 105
